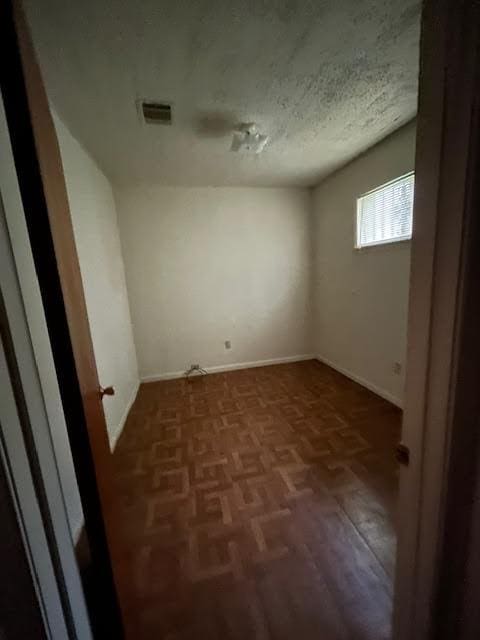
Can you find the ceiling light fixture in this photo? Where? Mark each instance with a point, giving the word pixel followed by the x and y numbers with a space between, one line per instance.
pixel 247 139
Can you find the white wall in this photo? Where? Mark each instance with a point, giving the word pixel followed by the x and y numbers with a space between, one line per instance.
pixel 361 296
pixel 97 239
pixel 205 265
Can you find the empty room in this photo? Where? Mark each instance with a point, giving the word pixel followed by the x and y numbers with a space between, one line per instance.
pixel 239 177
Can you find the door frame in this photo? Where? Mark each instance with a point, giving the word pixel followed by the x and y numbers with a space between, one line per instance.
pixel 447 151
pixel 22 591
pixel 27 454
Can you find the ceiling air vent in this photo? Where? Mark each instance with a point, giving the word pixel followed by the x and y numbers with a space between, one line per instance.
pixel 157 113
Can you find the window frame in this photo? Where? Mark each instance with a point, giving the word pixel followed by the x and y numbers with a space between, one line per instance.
pixel 378 243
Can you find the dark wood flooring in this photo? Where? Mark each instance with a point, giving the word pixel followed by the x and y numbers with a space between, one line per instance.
pixel 259 504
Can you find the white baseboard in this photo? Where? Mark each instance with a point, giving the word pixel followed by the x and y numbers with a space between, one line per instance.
pixel 386 395
pixel 119 428
pixel 172 375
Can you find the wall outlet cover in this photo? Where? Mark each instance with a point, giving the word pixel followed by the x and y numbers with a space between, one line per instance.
pixel 228 344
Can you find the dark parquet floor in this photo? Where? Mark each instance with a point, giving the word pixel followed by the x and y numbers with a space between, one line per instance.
pixel 259 505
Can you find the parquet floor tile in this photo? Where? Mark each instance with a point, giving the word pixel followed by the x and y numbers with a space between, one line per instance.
pixel 259 504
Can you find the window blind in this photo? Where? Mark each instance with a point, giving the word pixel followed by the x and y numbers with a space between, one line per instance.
pixel 385 214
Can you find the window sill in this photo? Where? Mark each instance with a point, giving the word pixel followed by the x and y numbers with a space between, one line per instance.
pixel 384 243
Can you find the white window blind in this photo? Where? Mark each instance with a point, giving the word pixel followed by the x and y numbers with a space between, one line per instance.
pixel 385 214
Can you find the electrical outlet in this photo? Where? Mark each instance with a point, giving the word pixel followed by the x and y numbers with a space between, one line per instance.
pixel 397 368
pixel 228 344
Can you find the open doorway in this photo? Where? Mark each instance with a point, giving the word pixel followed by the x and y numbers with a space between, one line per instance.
pixel 257 500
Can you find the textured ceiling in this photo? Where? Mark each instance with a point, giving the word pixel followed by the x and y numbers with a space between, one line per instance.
pixel 324 79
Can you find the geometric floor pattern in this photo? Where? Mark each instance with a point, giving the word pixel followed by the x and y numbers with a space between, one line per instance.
pixel 259 504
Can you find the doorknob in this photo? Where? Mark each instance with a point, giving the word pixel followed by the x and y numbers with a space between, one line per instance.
pixel 106 391
pixel 402 454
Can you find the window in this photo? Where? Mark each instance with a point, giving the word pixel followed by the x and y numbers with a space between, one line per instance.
pixel 385 214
